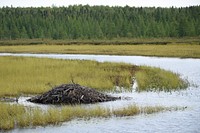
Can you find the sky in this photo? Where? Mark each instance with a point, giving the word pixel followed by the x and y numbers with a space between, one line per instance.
pixel 136 3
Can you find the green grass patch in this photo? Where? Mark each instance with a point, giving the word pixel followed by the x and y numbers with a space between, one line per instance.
pixel 15 116
pixel 151 78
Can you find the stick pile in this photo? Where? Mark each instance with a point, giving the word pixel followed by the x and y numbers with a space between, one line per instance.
pixel 72 94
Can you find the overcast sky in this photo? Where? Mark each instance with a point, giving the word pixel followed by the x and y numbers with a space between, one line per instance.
pixel 136 3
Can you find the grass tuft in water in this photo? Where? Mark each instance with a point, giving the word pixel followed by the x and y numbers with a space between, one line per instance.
pixel 127 111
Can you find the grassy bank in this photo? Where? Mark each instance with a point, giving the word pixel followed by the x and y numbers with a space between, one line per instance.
pixel 151 78
pixel 162 47
pixel 171 50
pixel 14 116
pixel 24 75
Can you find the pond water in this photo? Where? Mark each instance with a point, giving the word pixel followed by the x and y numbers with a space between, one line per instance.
pixel 183 121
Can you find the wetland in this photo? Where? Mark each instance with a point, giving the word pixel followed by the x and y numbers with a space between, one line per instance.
pixel 170 99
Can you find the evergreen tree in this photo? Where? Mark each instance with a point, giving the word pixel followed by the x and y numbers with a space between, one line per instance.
pixel 97 22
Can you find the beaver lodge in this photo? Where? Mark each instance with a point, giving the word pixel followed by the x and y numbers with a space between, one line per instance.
pixel 72 94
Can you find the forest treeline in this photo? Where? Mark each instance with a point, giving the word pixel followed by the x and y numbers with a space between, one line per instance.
pixel 98 22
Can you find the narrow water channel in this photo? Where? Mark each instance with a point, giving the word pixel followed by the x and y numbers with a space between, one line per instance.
pixel 187 121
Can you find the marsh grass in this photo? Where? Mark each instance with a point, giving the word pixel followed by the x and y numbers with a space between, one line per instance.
pixel 151 78
pixel 25 120
pixel 21 75
pixel 185 50
pixel 14 116
pixel 8 115
pixel 151 110
pixel 115 41
pixel 25 75
pixel 127 111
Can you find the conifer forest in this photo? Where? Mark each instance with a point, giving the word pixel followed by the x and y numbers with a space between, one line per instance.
pixel 98 22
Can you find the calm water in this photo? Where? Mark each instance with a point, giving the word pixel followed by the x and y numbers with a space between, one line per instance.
pixel 187 121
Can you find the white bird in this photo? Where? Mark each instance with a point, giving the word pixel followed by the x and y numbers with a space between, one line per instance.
pixel 135 84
